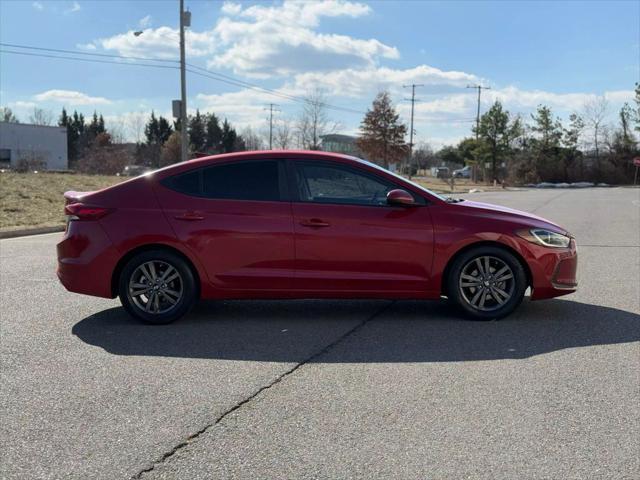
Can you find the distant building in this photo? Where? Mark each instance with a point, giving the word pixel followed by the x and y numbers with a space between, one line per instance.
pixel 35 145
pixel 340 144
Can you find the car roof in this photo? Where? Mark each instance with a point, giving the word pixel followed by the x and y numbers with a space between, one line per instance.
pixel 292 154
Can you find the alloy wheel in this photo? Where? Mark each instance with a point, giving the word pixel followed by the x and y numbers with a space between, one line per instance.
pixel 486 283
pixel 155 287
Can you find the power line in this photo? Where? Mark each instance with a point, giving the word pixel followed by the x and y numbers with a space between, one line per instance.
pixel 233 81
pixel 92 54
pixel 90 60
pixel 203 72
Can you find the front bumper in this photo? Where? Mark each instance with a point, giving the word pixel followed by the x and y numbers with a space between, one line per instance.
pixel 554 271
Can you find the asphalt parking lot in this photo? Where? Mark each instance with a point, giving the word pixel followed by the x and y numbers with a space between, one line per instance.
pixel 328 389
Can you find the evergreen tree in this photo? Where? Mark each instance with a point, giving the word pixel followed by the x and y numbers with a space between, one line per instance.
pixel 197 133
pixel 546 147
pixel 382 137
pixel 213 141
pixel 151 129
pixel 164 130
pixel 570 142
pixel 497 131
pixel 229 137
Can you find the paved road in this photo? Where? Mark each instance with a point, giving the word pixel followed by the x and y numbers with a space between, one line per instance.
pixel 319 389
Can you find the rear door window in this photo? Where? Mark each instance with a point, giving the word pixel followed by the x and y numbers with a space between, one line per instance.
pixel 251 180
pixel 257 180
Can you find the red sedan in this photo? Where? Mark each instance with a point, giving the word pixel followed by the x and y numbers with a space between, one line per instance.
pixel 287 224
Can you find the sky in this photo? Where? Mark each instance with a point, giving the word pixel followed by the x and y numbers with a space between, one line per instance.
pixel 561 54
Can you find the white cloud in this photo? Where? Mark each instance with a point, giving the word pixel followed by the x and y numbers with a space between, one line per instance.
pixel 86 46
pixel 366 82
pixel 162 42
pixel 242 108
pixel 75 7
pixel 620 96
pixel 263 41
pixel 231 8
pixel 23 105
pixel 38 6
pixel 145 22
pixel 70 97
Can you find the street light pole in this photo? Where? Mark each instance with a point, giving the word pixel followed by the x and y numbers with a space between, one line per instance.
pixel 183 90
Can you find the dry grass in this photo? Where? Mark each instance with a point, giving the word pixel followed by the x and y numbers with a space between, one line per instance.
pixel 35 199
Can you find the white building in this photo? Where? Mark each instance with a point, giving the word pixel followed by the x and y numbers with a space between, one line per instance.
pixel 40 147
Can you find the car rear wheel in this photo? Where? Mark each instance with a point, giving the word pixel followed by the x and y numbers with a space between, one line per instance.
pixel 157 287
pixel 487 283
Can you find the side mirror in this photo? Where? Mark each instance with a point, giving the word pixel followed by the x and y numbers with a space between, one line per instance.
pixel 400 197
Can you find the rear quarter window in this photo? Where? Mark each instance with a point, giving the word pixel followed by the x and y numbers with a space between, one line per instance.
pixel 187 183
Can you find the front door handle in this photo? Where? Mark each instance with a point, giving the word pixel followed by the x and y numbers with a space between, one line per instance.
pixel 190 216
pixel 314 223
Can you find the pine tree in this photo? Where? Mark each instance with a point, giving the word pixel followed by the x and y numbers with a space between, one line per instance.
pixel 382 137
pixel 164 130
pixel 197 133
pixel 213 141
pixel 151 129
pixel 229 137
pixel 546 147
pixel 497 132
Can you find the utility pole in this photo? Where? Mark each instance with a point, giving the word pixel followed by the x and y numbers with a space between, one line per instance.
pixel 413 101
pixel 271 110
pixel 479 88
pixel 185 21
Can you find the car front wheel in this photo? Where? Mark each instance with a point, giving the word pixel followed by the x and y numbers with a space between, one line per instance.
pixel 157 287
pixel 487 283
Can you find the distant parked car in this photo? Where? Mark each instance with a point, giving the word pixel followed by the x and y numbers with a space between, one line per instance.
pixel 287 224
pixel 462 172
pixel 134 170
pixel 441 172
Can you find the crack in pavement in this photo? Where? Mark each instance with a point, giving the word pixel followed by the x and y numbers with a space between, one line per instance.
pixel 278 379
pixel 555 197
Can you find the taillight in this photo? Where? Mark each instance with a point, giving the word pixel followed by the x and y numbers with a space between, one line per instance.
pixel 79 211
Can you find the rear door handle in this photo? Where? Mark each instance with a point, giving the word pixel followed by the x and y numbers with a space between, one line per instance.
pixel 314 223
pixel 190 216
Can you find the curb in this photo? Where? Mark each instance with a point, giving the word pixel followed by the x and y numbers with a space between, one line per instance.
pixel 31 231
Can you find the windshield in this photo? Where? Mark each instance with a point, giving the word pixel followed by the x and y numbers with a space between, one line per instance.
pixel 420 187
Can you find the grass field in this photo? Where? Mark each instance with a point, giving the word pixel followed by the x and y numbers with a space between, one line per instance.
pixel 35 199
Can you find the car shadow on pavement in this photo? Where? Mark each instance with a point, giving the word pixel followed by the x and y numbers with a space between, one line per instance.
pixel 404 331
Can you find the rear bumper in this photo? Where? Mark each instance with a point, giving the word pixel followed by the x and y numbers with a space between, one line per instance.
pixel 555 272
pixel 86 259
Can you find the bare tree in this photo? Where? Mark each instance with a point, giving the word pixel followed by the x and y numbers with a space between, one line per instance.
pixel 594 114
pixel 283 134
pixel 41 117
pixel 117 130
pixel 314 122
pixel 252 141
pixel 6 115
pixel 136 122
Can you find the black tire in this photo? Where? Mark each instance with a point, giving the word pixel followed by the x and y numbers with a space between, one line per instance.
pixel 133 276
pixel 463 295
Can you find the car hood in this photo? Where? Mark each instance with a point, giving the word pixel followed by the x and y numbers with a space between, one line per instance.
pixel 500 212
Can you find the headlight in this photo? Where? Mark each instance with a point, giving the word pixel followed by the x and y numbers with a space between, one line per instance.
pixel 546 238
